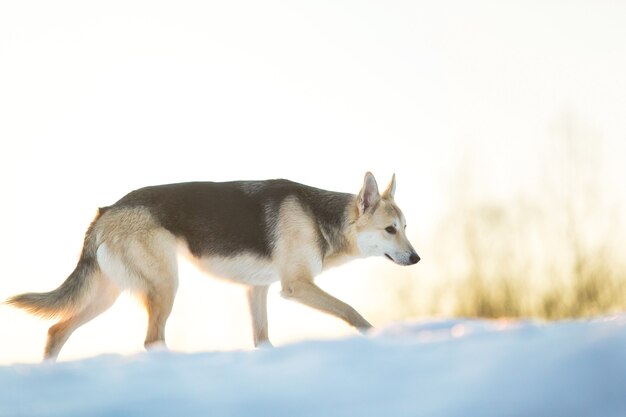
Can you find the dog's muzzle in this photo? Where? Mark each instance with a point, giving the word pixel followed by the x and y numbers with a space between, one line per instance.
pixel 413 259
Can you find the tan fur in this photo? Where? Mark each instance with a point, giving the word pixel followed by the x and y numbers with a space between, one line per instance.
pixel 137 254
pixel 257 300
pixel 299 261
pixel 104 295
pixel 350 251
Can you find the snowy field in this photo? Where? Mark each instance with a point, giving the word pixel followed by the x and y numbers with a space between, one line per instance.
pixel 436 368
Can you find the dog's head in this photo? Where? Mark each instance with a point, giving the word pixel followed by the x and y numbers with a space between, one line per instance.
pixel 380 225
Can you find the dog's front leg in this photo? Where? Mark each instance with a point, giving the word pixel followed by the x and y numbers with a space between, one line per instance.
pixel 257 300
pixel 306 292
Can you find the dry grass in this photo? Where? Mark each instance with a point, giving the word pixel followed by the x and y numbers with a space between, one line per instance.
pixel 500 269
pixel 557 253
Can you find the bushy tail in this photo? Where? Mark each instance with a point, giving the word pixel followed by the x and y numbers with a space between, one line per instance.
pixel 70 296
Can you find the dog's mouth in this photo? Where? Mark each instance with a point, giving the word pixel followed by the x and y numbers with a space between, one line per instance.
pixel 389 257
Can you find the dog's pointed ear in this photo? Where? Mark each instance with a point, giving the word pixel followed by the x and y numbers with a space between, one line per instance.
pixel 391 188
pixel 369 195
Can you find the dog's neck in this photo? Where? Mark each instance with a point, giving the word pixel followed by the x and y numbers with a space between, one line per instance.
pixel 347 249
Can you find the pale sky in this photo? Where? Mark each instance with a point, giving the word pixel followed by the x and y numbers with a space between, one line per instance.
pixel 97 99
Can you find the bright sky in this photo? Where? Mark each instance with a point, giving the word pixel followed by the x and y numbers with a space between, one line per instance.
pixel 99 98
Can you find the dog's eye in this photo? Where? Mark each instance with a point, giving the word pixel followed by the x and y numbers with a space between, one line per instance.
pixel 391 230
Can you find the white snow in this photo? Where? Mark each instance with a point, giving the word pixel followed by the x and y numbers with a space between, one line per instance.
pixel 435 368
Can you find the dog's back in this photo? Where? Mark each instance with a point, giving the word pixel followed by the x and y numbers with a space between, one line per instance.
pixel 233 217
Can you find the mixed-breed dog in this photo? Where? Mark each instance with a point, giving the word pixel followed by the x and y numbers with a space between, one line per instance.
pixel 251 232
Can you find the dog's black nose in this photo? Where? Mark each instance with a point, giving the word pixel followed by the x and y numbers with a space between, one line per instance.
pixel 414 258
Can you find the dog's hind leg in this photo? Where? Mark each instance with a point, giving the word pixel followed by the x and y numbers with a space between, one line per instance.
pixel 102 296
pixel 257 300
pixel 147 266
pixel 153 261
pixel 155 272
pixel 141 256
pixel 159 301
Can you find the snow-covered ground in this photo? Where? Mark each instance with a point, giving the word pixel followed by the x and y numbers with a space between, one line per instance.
pixel 435 368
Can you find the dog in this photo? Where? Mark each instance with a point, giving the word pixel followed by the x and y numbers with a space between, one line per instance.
pixel 250 232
